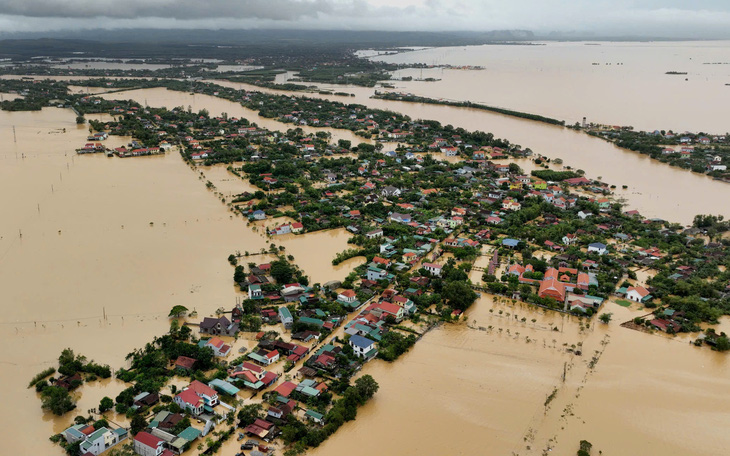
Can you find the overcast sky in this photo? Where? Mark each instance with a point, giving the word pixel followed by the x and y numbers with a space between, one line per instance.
pixel 682 18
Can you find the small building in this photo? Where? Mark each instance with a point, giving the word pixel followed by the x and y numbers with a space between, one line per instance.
pixel 363 347
pixel 146 444
pixel 184 363
pixel 255 291
pixel 638 294
pixel 223 386
pixel 347 296
pixel 598 248
pixel 188 400
pixel 101 440
pixel 219 347
pixel 433 269
pixel 286 317
pixel 374 233
pixel 218 326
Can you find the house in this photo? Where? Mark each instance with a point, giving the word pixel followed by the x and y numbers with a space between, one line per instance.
pixel 362 346
pixel 638 294
pixel 286 317
pixel 450 151
pixel 297 227
pixel 552 288
pixel 400 218
pixel 101 440
pixel 184 363
pixel 218 326
pixel 77 432
pixel 146 399
pixel 390 191
pixel 208 394
pixel 433 269
pixel 598 248
pixel 510 243
pixel 261 429
pixel 376 274
pixel 388 308
pixel 258 215
pixel 188 400
pixel 146 444
pixel 347 296
pixel 265 357
pixel 570 239
pixel 510 204
pixel 281 229
pixel 255 291
pixel 374 234
pixel 219 347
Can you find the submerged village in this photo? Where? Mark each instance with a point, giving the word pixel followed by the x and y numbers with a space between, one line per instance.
pixel 440 216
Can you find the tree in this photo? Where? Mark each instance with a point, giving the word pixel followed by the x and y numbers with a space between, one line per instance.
pixel 239 275
pixel 105 404
pixel 367 387
pixel 138 423
pixel 344 143
pixel 605 317
pixel 80 119
pixel 181 425
pixel 585 448
pixel 177 310
pixel 57 400
pixel 248 414
pixel 459 295
pixel 282 271
pixel 722 344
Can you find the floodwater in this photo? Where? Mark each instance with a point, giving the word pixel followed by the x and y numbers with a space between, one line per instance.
pixel 608 82
pixel 465 391
pixel 108 246
pixel 654 188
pixel 140 235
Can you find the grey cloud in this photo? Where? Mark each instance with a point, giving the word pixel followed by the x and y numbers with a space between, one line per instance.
pixel 661 18
pixel 280 10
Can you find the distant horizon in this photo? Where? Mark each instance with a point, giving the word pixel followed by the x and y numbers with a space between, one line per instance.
pixel 487 36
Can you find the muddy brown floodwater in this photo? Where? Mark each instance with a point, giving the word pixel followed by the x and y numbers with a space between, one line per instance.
pixel 94 251
pixel 109 245
pixel 465 391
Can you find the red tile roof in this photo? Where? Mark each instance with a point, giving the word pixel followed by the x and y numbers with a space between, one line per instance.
pixel 202 388
pixel 147 439
pixel 285 389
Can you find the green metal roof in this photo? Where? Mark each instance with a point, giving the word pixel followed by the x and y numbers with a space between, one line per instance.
pixel 285 312
pixel 223 386
pixel 190 434
pixel 311 321
pixel 313 414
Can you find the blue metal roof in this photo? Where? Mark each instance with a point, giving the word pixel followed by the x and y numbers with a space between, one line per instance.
pixel 362 342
